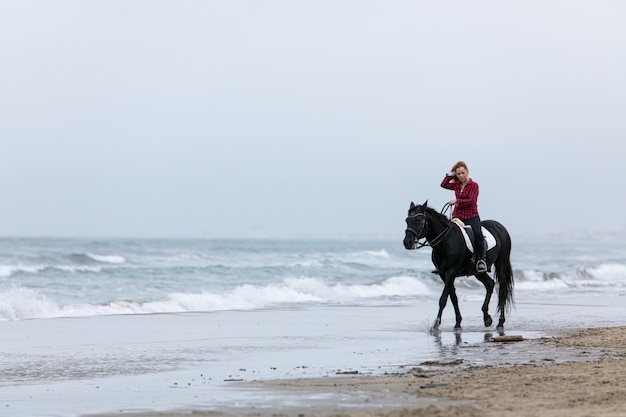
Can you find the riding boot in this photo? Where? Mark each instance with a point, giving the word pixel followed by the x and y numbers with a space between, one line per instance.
pixel 481 265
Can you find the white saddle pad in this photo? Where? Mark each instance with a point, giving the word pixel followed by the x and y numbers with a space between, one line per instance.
pixel 491 241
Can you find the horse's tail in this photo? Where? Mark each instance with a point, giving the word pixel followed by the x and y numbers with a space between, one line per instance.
pixel 504 275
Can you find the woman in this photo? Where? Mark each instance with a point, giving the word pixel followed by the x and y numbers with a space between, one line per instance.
pixel 466 206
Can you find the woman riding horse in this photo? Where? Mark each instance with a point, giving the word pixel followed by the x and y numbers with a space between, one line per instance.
pixel 466 206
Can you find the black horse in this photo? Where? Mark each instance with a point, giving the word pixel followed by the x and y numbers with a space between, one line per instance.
pixel 453 259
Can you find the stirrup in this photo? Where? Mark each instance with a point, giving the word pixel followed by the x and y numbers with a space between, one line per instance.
pixel 481 266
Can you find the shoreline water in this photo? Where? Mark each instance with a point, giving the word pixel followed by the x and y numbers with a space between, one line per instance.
pixel 198 361
pixel 589 382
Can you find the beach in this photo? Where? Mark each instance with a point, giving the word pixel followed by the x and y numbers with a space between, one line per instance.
pixel 327 361
pixel 591 382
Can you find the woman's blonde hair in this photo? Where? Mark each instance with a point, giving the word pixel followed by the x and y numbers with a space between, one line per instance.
pixel 459 165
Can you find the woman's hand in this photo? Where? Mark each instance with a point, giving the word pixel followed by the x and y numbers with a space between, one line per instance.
pixel 452 202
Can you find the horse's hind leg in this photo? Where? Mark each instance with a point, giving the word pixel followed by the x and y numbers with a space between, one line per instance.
pixel 500 326
pixel 489 284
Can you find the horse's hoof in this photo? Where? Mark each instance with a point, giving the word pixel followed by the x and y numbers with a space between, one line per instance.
pixel 434 330
pixel 458 329
pixel 488 321
pixel 500 328
pixel 435 327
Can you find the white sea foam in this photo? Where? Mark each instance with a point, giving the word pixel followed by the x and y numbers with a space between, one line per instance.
pixel 107 259
pixel 18 303
pixel 609 272
pixel 373 257
pixel 78 268
pixel 378 253
pixel 600 277
pixel 535 281
pixel 21 303
pixel 538 280
pixel 393 287
pixel 9 270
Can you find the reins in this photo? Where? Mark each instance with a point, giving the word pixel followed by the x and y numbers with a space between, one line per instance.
pixel 445 208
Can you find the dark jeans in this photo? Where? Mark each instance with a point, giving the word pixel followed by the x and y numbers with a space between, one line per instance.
pixel 479 240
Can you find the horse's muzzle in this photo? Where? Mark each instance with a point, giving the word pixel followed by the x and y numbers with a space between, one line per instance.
pixel 410 241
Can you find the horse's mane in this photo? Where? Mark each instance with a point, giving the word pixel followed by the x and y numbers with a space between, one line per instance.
pixel 438 217
pixel 434 214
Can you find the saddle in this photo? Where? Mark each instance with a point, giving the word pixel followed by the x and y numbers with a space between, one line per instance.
pixel 468 235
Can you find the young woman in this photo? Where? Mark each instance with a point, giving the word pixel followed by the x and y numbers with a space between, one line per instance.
pixel 466 206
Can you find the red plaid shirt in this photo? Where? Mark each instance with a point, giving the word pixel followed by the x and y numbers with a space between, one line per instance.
pixel 466 205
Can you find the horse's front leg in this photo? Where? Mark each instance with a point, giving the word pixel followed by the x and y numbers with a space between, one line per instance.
pixel 443 300
pixel 489 284
pixel 448 290
pixel 442 304
pixel 457 310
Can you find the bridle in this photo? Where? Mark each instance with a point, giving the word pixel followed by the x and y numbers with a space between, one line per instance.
pixel 438 239
pixel 418 234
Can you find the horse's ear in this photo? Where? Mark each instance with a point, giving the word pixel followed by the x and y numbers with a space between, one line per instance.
pixel 426 203
pixel 412 206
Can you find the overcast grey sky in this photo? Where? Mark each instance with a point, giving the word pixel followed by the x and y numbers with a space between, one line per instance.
pixel 307 118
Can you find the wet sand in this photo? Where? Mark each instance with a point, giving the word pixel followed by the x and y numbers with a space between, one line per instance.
pixel 575 373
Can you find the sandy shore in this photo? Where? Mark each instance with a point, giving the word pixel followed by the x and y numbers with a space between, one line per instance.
pixel 579 373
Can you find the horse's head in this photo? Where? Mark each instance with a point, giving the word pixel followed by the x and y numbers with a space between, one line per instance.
pixel 416 226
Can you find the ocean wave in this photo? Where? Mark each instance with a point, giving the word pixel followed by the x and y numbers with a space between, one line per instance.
pixel 367 257
pixel 382 253
pixel 7 271
pixel 609 272
pixel 91 258
pixel 324 259
pixel 10 270
pixel 23 303
pixel 79 268
pixel 600 277
pixel 19 303
pixel 107 259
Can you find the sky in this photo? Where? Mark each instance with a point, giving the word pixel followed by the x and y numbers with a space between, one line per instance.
pixel 251 119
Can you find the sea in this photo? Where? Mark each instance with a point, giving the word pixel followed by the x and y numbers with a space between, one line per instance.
pixel 114 326
pixel 50 278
